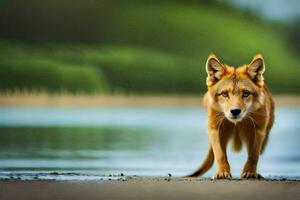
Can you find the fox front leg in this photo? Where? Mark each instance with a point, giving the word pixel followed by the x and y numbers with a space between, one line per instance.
pixel 223 168
pixel 254 149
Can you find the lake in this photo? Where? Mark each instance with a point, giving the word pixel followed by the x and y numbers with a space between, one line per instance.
pixel 65 143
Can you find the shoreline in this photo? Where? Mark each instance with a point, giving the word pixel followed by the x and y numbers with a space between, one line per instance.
pixel 151 188
pixel 40 100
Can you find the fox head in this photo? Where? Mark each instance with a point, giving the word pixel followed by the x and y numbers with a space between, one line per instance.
pixel 235 92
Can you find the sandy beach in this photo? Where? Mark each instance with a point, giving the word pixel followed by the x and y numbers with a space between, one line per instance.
pixel 150 188
pixel 43 99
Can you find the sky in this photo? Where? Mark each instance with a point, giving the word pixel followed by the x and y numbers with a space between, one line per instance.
pixel 277 10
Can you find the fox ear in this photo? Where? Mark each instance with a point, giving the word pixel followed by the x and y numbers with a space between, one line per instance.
pixel 215 70
pixel 256 69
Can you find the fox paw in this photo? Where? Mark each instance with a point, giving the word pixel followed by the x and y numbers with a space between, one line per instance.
pixel 222 175
pixel 251 175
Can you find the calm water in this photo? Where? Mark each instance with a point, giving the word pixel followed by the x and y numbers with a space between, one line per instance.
pixel 92 143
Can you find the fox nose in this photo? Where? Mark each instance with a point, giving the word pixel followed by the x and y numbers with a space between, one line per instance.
pixel 235 112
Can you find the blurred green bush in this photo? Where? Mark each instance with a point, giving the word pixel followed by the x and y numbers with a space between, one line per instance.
pixel 144 47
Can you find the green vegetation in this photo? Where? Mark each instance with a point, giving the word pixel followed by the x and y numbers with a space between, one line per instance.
pixel 150 48
pixel 89 68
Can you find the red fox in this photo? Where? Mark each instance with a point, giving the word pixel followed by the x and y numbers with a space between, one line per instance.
pixel 240 107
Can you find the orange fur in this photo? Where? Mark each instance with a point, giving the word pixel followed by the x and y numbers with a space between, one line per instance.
pixel 241 108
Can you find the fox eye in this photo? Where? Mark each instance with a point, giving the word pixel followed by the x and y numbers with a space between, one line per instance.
pixel 224 93
pixel 246 93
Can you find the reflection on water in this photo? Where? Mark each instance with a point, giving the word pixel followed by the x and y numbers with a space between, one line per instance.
pixel 133 141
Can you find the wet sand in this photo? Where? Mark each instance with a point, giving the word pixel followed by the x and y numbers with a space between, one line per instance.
pixel 43 99
pixel 150 188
